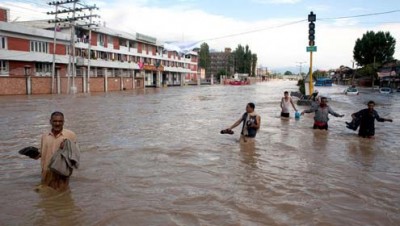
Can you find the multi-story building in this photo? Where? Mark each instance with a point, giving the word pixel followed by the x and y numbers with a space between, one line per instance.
pixel 221 61
pixel 27 49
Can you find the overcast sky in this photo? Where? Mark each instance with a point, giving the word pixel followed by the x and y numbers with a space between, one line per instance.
pixel 276 30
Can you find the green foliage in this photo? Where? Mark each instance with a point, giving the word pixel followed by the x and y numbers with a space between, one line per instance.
pixel 244 61
pixel 288 73
pixel 367 71
pixel 239 59
pixel 301 86
pixel 374 47
pixel 222 72
pixel 204 56
pixel 319 74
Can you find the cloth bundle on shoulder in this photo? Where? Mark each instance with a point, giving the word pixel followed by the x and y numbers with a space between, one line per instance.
pixel 31 152
pixel 65 159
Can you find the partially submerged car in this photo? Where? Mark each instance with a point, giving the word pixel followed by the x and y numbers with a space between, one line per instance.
pixel 351 91
pixel 385 90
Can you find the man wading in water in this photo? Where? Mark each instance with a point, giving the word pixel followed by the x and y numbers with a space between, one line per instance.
pixel 321 114
pixel 251 124
pixel 50 143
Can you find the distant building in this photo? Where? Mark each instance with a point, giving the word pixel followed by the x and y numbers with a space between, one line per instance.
pixel 28 47
pixel 221 61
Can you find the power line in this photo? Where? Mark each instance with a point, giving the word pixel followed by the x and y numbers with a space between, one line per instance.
pixel 253 31
pixel 299 21
pixel 361 15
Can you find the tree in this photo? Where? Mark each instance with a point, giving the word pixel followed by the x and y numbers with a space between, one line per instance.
pixel 319 74
pixel 254 64
pixel 239 59
pixel 220 73
pixel 247 60
pixel 204 56
pixel 244 61
pixel 374 48
pixel 288 73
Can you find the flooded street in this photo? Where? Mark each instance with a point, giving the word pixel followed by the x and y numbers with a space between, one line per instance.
pixel 155 157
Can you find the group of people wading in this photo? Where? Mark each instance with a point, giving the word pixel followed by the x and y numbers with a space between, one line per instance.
pixel 364 119
pixel 59 146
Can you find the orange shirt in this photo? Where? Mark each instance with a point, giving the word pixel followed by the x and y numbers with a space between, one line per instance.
pixel 50 144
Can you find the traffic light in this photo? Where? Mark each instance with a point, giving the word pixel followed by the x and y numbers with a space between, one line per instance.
pixel 311 33
pixel 311 28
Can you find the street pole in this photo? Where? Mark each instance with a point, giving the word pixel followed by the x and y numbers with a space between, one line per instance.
pixel 90 45
pixel 74 89
pixel 311 38
pixel 54 55
pixel 311 85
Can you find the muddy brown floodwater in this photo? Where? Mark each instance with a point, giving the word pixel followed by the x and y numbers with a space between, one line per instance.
pixel 155 157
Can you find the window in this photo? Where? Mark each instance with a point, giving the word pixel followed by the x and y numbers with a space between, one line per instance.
pixel 3 67
pixel 41 47
pixel 101 39
pixel 43 68
pixel 3 42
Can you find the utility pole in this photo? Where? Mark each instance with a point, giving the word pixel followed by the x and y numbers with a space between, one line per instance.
pixel 56 22
pixel 301 66
pixel 71 20
pixel 91 8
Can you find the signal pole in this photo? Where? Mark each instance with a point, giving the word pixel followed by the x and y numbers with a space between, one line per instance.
pixel 311 41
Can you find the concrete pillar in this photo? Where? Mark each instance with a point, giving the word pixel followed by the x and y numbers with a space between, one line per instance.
pixel 84 72
pixel 28 85
pixel 158 79
pixel 212 79
pixel 58 81
pixel 133 81
pixel 198 80
pixel 105 80
pixel 121 83
pixel 182 79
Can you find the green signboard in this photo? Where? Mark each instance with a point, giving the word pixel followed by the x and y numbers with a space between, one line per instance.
pixel 311 48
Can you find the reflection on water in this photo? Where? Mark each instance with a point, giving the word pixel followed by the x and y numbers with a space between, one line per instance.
pixel 155 157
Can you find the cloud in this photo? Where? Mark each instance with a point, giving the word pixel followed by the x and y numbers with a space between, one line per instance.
pixel 276 46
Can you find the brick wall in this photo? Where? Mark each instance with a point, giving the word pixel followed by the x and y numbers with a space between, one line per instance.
pixel 115 42
pixel 12 85
pixel 93 41
pixel 42 85
pixel 96 84
pixel 127 83
pixel 18 44
pixel 3 15
pixel 60 49
pixel 114 84
pixel 17 68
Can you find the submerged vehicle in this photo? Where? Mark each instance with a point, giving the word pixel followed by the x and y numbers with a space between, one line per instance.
pixel 351 91
pixel 385 90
